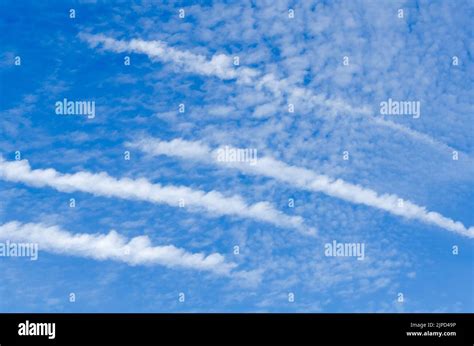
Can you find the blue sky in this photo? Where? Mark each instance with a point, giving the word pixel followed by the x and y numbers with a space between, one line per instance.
pixel 190 249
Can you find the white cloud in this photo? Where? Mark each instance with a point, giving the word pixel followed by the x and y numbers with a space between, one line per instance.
pixel 221 66
pixel 221 111
pixel 420 136
pixel 266 109
pixel 101 184
pixel 112 246
pixel 309 180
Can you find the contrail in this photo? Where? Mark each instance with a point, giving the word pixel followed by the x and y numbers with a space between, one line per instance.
pixel 221 66
pixel 112 246
pixel 101 184
pixel 306 179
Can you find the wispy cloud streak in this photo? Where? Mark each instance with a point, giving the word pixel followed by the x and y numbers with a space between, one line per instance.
pixel 221 66
pixel 101 184
pixel 308 180
pixel 112 246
